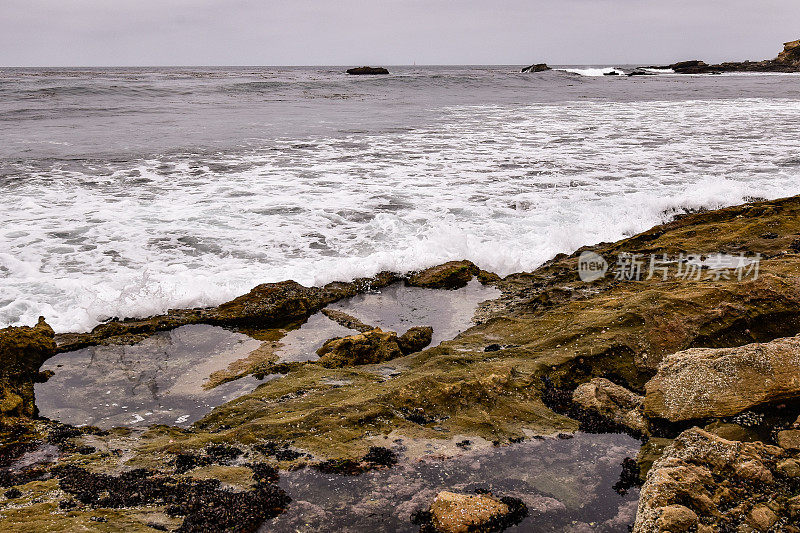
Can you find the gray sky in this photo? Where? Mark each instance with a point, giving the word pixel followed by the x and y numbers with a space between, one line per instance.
pixel 390 32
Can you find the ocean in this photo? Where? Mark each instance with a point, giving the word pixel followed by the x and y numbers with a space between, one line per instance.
pixel 125 192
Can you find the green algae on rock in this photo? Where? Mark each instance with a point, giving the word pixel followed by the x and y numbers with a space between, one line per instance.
pixel 22 352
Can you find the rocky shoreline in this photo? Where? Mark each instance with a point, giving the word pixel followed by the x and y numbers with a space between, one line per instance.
pixel 703 372
pixel 787 61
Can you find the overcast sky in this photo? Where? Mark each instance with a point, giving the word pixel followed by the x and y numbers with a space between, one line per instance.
pixel 390 32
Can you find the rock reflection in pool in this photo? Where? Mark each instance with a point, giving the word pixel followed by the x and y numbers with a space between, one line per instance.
pixel 156 381
pixel 566 484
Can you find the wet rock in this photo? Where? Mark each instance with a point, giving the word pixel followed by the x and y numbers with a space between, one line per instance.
pixel 415 339
pixel 612 401
pixel 649 453
pixel 451 275
pixel 348 321
pixel 718 382
pixel 22 352
pixel 612 73
pixel 538 67
pixel 731 431
pixel 451 512
pixel 380 456
pixel 715 481
pixel 367 71
pixel 372 347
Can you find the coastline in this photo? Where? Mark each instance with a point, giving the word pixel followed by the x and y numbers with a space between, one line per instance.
pixel 509 377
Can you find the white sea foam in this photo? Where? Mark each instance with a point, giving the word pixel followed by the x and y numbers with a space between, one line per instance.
pixel 505 186
pixel 593 72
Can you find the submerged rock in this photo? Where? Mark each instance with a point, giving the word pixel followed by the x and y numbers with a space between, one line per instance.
pixel 348 321
pixel 22 352
pixel 538 67
pixel 451 512
pixel 707 484
pixel 451 275
pixel 367 71
pixel 612 401
pixel 718 382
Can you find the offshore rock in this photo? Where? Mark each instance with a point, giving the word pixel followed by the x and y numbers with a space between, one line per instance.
pixel 367 71
pixel 22 352
pixel 372 347
pixel 612 401
pixel 539 67
pixel 708 484
pixel 718 382
pixel 450 275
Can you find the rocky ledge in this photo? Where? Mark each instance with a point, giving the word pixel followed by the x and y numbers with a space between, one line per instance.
pixel 787 61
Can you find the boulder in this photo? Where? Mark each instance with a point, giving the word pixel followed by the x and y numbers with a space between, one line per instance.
pixel 718 382
pixel 450 275
pixel 704 479
pixel 459 513
pixel 538 67
pixel 367 71
pixel 415 339
pixel 22 352
pixel 611 401
pixel 375 346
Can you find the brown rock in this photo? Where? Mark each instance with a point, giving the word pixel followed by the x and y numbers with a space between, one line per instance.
pixel 460 513
pixel 452 275
pixel 676 518
pixel 730 431
pixel 718 382
pixel 415 339
pixel 371 347
pixel 22 352
pixel 789 468
pixel 348 321
pixel 762 517
pixel 612 401
pixel 789 439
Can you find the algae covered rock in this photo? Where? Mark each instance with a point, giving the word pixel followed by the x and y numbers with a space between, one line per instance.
pixel 372 347
pixel 415 339
pixel 452 512
pixel 22 352
pixel 450 275
pixel 718 382
pixel 612 401
pixel 706 483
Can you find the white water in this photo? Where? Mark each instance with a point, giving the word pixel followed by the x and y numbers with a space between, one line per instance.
pixel 505 186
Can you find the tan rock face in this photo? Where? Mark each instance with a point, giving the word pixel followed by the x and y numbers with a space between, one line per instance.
pixel 717 382
pixel 707 482
pixel 612 401
pixel 460 513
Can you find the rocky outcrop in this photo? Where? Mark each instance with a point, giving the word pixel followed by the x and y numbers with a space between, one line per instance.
pixel 707 484
pixel 787 61
pixel 538 67
pixel 609 400
pixel 367 71
pixel 450 275
pixel 22 352
pixel 452 512
pixel 718 382
pixel 374 346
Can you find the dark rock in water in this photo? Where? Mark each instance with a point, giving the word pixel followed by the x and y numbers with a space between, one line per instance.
pixel 415 339
pixel 22 352
pixel 451 275
pixel 380 456
pixel 639 72
pixel 367 71
pixel 539 67
pixel 13 493
pixel 612 73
